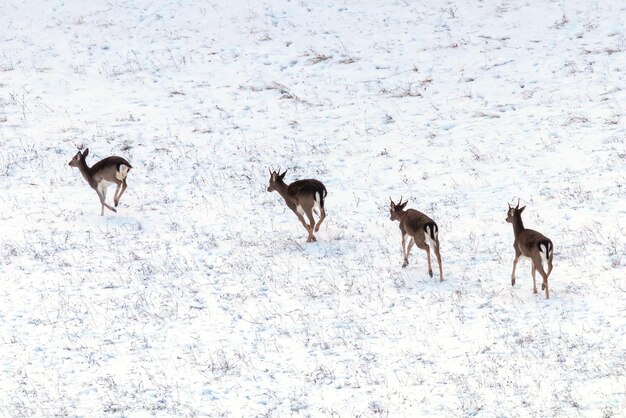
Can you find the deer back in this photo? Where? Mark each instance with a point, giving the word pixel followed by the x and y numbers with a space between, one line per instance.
pixel 529 240
pixel 112 169
pixel 415 223
pixel 304 190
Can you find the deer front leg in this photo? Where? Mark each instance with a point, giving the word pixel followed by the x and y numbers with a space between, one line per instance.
pixel 102 194
pixel 297 209
pixel 302 221
pixel 515 260
pixel 406 248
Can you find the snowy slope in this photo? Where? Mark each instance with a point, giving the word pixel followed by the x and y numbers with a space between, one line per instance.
pixel 200 296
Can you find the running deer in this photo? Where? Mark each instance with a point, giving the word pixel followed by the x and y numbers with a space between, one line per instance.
pixel 302 197
pixel 104 173
pixel 418 229
pixel 533 245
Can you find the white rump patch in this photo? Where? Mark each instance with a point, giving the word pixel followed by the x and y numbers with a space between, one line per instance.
pixel 428 239
pixel 122 172
pixel 317 206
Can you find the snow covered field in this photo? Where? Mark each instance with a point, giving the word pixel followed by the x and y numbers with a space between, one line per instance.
pixel 200 296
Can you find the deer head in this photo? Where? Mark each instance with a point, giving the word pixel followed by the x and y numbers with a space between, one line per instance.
pixel 396 209
pixel 276 178
pixel 75 162
pixel 514 212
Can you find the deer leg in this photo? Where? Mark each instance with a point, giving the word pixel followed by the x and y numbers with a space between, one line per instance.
pixel 438 255
pixel 102 197
pixel 121 191
pixel 406 247
pixel 322 217
pixel 408 250
pixel 116 196
pixel 102 194
pixel 404 257
pixel 532 271
pixel 515 260
pixel 302 221
pixel 430 270
pixel 549 266
pixel 311 226
pixel 544 276
pixel 297 209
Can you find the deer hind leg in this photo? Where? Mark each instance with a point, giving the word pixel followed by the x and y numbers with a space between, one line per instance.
pixel 438 255
pixel 545 279
pixel 116 195
pixel 544 276
pixel 405 260
pixel 430 269
pixel 532 272
pixel 318 205
pixel 322 217
pixel 121 188
pixel 430 242
pixel 544 264
pixel 311 226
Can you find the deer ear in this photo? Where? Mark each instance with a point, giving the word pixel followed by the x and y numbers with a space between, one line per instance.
pixel 403 205
pixel 86 152
pixel 520 210
pixel 282 176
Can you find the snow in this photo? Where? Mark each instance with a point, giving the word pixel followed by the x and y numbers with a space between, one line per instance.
pixel 200 296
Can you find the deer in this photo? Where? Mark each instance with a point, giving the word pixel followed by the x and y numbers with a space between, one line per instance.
pixel 418 229
pixel 104 173
pixel 533 245
pixel 303 197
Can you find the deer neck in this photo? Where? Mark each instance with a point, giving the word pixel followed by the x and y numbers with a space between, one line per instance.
pixel 281 188
pixel 85 170
pixel 518 225
pixel 402 217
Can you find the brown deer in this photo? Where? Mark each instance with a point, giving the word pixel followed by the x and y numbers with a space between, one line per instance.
pixel 302 197
pixel 104 173
pixel 533 245
pixel 418 229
